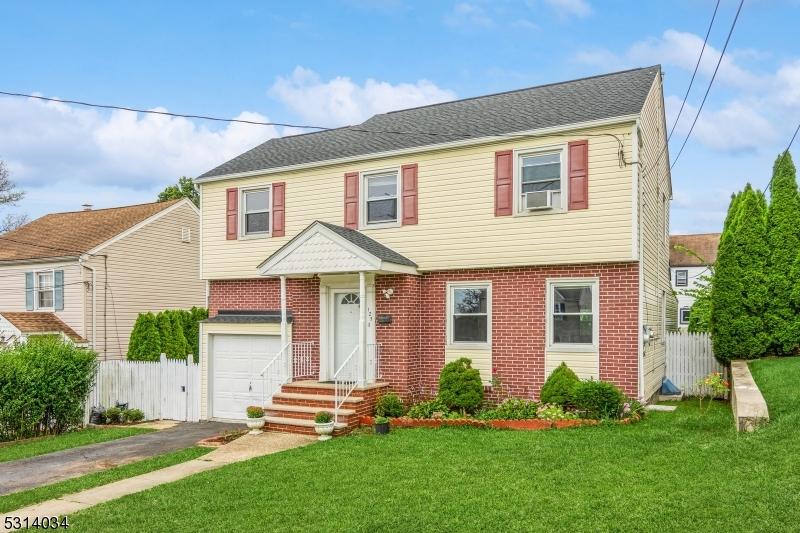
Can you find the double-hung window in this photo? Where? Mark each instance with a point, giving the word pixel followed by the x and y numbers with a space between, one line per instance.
pixel 681 278
pixel 573 314
pixel 470 313
pixel 685 315
pixel 539 177
pixel 381 198
pixel 255 211
pixel 45 290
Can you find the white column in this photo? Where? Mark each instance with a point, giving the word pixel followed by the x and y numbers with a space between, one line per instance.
pixel 362 327
pixel 284 337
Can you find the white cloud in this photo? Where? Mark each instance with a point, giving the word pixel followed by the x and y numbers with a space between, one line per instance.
pixel 65 155
pixel 577 8
pixel 467 14
pixel 341 101
pixel 788 84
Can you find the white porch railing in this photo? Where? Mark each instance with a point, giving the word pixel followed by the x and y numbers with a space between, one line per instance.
pixel 374 370
pixel 302 360
pixel 276 373
pixel 345 380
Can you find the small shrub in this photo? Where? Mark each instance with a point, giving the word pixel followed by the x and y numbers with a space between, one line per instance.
pixel 132 415
pixel 559 387
pixel 323 417
pixel 554 412
pixel 145 341
pixel 460 385
pixel 511 409
pixel 633 409
pixel 599 399
pixel 114 415
pixel 427 409
pixel 381 420
pixel 389 405
pixel 254 411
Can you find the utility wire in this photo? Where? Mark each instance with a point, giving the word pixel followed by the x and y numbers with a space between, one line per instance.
pixel 166 113
pixel 710 84
pixel 696 67
pixel 791 142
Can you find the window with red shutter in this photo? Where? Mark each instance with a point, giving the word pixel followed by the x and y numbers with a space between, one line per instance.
pixel 351 200
pixel 232 214
pixel 578 175
pixel 409 191
pixel 503 183
pixel 279 209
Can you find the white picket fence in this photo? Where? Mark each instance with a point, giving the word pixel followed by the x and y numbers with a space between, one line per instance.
pixel 165 389
pixel 690 358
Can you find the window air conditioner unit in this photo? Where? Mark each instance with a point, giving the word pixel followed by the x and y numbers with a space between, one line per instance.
pixel 534 201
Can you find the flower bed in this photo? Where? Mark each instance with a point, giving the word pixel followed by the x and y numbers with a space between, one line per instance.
pixel 527 425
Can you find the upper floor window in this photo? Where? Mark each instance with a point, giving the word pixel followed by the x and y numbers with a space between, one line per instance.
pixel 381 198
pixel 685 311
pixel 681 278
pixel 45 290
pixel 573 314
pixel 255 211
pixel 470 319
pixel 539 180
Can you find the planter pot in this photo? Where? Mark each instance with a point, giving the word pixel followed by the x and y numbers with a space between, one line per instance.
pixel 255 425
pixel 382 429
pixel 324 430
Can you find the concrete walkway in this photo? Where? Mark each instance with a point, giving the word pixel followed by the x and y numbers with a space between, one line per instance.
pixel 50 468
pixel 243 448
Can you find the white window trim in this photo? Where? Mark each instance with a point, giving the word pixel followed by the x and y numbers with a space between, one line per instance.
pixel 686 272
pixel 362 199
pixel 680 314
pixel 540 150
pixel 243 213
pixel 36 289
pixel 451 286
pixel 569 347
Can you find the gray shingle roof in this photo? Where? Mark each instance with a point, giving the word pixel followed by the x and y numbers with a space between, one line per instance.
pixel 248 317
pixel 372 246
pixel 545 106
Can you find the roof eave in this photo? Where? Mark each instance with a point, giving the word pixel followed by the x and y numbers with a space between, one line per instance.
pixel 38 260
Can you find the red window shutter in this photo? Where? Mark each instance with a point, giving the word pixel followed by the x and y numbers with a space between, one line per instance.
pixel 578 175
pixel 232 214
pixel 279 209
pixel 503 183
pixel 351 200
pixel 409 192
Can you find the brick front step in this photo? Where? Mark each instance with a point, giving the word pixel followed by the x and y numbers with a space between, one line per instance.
pixel 313 400
pixel 304 412
pixel 296 425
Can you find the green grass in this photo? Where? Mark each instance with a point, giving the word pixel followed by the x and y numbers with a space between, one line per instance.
pixel 682 471
pixel 17 500
pixel 11 451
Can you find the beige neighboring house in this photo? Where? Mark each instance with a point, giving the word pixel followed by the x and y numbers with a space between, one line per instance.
pixel 86 275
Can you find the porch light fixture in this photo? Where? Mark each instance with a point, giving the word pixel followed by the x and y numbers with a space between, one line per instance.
pixel 387 293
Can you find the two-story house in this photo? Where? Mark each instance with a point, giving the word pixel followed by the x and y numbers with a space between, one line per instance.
pixel 86 275
pixel 521 230
pixel 690 261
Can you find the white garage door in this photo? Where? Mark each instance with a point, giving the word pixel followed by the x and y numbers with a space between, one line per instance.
pixel 237 362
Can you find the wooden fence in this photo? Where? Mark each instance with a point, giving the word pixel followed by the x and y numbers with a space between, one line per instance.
pixel 165 389
pixel 690 358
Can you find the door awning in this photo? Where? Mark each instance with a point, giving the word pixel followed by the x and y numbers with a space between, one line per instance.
pixel 324 248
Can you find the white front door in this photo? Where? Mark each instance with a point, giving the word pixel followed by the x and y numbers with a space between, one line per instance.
pixel 345 326
pixel 236 363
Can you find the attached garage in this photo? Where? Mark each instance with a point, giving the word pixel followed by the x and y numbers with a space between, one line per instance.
pixel 232 358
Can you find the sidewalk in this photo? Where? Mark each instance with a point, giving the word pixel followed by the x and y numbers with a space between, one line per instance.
pixel 242 449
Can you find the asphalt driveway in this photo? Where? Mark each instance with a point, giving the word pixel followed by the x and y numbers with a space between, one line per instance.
pixel 52 467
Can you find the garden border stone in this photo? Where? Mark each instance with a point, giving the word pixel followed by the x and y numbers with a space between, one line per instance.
pixel 749 407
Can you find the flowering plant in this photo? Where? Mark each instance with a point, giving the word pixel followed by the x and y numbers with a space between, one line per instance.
pixel 713 385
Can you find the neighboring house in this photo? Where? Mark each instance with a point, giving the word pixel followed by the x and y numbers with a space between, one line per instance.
pixel 687 270
pixel 520 230
pixel 86 275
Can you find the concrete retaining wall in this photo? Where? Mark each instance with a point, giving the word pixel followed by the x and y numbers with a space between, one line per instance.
pixel 749 407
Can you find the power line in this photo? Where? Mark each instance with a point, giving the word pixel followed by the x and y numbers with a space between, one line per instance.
pixel 710 84
pixel 165 113
pixel 791 141
pixel 696 67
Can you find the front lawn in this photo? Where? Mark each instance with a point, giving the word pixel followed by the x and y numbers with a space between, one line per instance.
pixel 682 471
pixel 17 500
pixel 11 451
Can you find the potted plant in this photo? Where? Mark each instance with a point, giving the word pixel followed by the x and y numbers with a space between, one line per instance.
pixel 323 425
pixel 255 419
pixel 381 425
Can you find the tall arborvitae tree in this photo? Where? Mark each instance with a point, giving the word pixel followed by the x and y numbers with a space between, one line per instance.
pixel 181 346
pixel 783 238
pixel 145 341
pixel 794 297
pixel 739 293
pixel 166 330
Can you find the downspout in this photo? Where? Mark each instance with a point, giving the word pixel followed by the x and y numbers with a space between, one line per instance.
pixel 81 261
pixel 640 256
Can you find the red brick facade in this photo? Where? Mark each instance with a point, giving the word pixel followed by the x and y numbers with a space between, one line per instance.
pixel 413 344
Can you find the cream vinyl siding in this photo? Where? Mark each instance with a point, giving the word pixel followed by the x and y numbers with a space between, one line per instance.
pixel 481 359
pixel 585 364
pixel 12 291
pixel 457 227
pixel 206 330
pixel 150 269
pixel 654 181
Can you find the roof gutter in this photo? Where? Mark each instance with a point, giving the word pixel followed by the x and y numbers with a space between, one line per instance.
pixel 541 132
pixel 38 260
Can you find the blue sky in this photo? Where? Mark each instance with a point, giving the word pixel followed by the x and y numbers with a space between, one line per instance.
pixel 336 62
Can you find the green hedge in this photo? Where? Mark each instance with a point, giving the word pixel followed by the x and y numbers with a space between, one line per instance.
pixel 43 388
pixel 175 332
